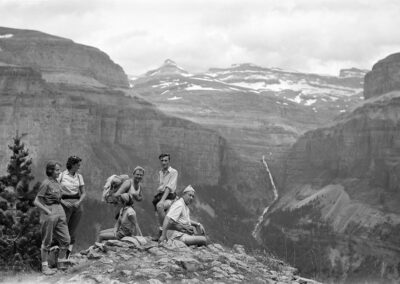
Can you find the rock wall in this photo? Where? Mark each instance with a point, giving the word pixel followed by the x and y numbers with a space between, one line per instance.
pixel 62 125
pixel 20 79
pixel 384 77
pixel 53 54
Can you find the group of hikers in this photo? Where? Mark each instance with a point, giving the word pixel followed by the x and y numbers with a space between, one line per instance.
pixel 60 200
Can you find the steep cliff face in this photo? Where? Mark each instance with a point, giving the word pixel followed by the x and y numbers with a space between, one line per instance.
pixel 59 59
pixel 340 195
pixel 20 79
pixel 384 77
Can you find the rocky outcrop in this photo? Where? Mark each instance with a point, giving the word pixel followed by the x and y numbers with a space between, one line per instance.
pixel 137 259
pixel 59 59
pixel 384 77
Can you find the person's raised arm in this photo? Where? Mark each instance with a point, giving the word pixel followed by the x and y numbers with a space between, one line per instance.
pixel 123 188
pixel 133 219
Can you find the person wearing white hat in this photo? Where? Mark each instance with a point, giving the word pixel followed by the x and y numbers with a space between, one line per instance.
pixel 178 225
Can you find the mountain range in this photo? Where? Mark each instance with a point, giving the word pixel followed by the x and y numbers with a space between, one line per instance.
pixel 331 146
pixel 329 191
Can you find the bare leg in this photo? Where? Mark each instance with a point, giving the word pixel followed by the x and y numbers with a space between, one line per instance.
pixel 162 209
pixel 194 240
pixel 108 234
pixel 160 213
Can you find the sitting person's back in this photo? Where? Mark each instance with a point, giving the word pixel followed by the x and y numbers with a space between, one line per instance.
pixel 177 223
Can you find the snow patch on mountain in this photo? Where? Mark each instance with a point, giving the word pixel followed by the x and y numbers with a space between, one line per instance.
pixel 310 102
pixel 194 87
pixel 255 86
pixel 297 99
pixel 174 98
pixel 6 36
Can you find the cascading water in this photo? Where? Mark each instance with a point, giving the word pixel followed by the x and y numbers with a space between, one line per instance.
pixel 257 228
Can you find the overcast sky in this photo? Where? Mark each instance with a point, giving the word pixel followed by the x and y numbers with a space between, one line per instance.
pixel 319 36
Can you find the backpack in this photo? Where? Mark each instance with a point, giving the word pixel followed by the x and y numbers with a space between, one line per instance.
pixel 111 186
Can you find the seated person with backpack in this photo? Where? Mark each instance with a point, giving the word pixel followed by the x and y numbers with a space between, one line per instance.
pixel 177 223
pixel 126 225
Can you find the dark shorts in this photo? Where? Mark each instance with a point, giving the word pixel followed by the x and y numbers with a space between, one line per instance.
pixel 158 196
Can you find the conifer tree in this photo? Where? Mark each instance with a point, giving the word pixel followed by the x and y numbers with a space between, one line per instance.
pixel 20 237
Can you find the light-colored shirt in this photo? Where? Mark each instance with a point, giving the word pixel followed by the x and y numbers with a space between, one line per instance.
pixel 180 213
pixel 71 183
pixel 168 179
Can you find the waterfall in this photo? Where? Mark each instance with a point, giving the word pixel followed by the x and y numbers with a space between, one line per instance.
pixel 257 228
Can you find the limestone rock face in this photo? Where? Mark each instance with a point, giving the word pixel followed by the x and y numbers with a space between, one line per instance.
pixel 20 79
pixel 99 125
pixel 58 58
pixel 384 77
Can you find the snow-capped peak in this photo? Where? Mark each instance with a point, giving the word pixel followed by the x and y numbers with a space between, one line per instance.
pixel 169 67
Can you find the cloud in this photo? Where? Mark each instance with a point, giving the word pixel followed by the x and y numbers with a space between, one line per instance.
pixel 307 35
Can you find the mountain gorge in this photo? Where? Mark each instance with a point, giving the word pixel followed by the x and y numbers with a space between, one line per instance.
pixel 70 108
pixel 260 111
pixel 332 146
pixel 337 214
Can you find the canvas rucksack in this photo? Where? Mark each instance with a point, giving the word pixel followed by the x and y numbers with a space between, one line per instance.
pixel 111 186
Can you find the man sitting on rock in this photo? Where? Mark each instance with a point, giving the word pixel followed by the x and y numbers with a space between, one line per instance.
pixel 178 223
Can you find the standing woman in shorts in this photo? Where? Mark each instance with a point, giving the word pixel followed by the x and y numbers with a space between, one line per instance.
pixel 52 217
pixel 73 194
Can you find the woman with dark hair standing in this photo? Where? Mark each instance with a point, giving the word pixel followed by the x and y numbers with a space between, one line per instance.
pixel 73 194
pixel 52 218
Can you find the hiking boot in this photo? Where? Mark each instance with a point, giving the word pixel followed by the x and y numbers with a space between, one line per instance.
pixel 48 271
pixel 68 254
pixel 157 237
pixel 53 256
